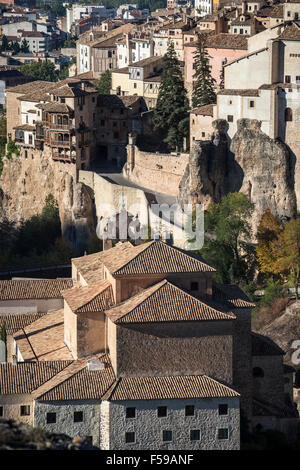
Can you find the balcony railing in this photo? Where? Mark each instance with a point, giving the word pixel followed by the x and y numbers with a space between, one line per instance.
pixel 61 143
pixel 62 158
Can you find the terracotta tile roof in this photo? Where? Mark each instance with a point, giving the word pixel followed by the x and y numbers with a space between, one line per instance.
pixel 207 110
pixel 55 107
pixel 91 267
pixel 25 127
pixel 76 382
pixel 95 298
pixel 239 92
pixel 15 322
pixel 232 295
pixel 43 340
pixel 36 85
pixel 224 41
pixel 166 388
pixel 24 377
pixel 165 302
pixel 264 346
pixel 154 257
pixel 114 101
pixel 291 31
pixel 275 11
pixel 149 60
pixel 67 91
pixel 21 289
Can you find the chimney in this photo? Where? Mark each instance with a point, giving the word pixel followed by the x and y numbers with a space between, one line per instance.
pixel 244 7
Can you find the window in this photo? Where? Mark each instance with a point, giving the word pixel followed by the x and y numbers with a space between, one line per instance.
pixel 130 412
pixel 129 437
pixel 134 85
pixel 161 411
pixel 287 79
pixel 195 435
pixel 78 416
pixel 25 410
pixel 167 436
pixel 251 104
pixel 189 410
pixel 89 438
pixel 116 135
pixel 230 118
pixel 258 372
pixel 63 100
pixel 1 410
pixel 194 285
pixel 223 433
pixel 297 78
pixel 288 13
pixel 51 418
pixel 223 409
pixel 288 114
pixel 203 134
pixel 102 123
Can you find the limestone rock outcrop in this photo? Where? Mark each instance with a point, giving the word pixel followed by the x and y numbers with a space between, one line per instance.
pixel 204 177
pixel 260 167
pixel 26 182
pixel 252 163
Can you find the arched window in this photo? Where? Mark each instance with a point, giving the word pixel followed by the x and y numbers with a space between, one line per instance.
pixel 288 114
pixel 258 372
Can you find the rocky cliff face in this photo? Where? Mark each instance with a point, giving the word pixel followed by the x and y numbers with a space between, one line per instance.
pixel 26 182
pixel 204 178
pixel 253 163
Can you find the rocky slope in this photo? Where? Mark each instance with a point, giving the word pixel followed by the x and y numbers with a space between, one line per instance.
pixel 252 163
pixel 19 436
pixel 285 329
pixel 25 183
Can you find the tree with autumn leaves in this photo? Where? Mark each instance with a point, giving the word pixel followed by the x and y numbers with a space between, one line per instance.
pixel 278 248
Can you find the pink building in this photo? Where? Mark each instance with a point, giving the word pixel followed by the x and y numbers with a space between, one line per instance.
pixel 222 48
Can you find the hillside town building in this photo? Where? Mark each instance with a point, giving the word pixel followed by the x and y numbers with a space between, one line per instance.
pixel 148 352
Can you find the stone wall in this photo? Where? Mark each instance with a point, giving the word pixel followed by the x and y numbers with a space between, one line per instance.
pixel 148 427
pixel 65 418
pixel 11 407
pixel 160 172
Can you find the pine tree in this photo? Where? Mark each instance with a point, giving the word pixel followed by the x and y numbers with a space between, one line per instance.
pixel 24 46
pixel 203 86
pixel 172 105
pixel 104 83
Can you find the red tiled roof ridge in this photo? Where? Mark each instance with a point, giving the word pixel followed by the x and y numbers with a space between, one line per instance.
pixel 154 289
pixel 94 289
pixel 161 387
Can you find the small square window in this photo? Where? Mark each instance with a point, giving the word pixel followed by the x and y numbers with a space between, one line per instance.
pixel 195 435
pixel 130 412
pixel 25 410
pixel 129 437
pixel 287 79
pixel 161 411
pixel 78 416
pixel 230 118
pixel 1 410
pixel 223 433
pixel 223 409
pixel 51 418
pixel 189 410
pixel 167 436
pixel 194 285
pixel 252 104
pixel 203 134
